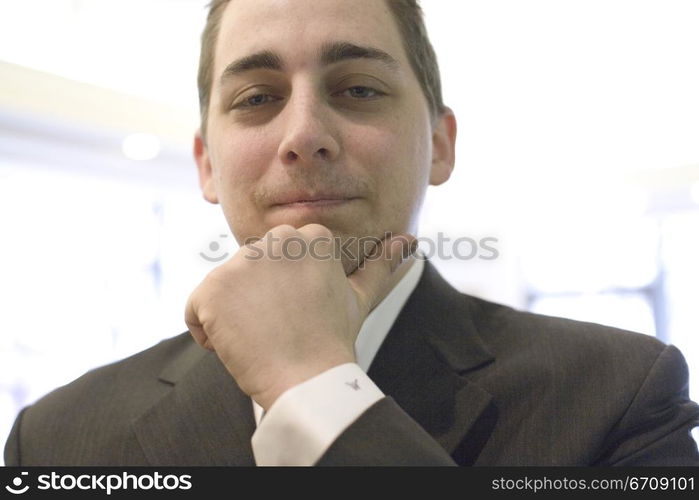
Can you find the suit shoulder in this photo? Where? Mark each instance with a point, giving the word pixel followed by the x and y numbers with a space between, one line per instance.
pixel 88 421
pixel 135 376
pixel 508 330
pixel 611 395
pixel 148 362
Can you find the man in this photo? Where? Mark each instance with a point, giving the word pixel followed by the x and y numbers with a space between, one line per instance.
pixel 322 125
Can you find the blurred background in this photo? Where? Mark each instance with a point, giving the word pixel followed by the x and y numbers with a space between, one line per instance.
pixel 577 155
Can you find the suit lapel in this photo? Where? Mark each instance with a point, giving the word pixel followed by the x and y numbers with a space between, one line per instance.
pixel 425 363
pixel 204 420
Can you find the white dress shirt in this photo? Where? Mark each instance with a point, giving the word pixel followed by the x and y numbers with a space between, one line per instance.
pixel 305 420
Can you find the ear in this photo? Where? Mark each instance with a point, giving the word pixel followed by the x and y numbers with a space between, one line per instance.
pixel 443 148
pixel 206 177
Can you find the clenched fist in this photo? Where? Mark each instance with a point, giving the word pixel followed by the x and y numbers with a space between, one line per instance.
pixel 276 321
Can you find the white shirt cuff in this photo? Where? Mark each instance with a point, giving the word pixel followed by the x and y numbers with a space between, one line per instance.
pixel 304 421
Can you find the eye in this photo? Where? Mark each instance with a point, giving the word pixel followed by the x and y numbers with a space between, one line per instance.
pixel 362 92
pixel 256 100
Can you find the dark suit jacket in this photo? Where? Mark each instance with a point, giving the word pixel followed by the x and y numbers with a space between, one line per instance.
pixel 468 382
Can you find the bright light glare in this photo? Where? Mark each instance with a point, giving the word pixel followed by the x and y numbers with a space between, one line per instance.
pixel 694 190
pixel 141 147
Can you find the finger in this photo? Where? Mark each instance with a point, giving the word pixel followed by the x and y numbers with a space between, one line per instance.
pixel 319 241
pixel 372 277
pixel 196 329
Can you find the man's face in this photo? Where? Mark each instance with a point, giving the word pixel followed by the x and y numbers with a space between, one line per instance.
pixel 317 117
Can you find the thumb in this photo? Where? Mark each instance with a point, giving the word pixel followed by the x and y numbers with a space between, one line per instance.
pixel 372 279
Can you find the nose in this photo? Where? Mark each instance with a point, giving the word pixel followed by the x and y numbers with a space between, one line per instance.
pixel 309 137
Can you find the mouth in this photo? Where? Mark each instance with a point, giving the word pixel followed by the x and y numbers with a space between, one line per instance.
pixel 314 201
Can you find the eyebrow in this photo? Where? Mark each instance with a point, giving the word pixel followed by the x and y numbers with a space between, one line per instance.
pixel 260 60
pixel 335 52
pixel 331 53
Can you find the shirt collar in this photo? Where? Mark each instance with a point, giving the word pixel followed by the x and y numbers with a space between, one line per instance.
pixel 380 320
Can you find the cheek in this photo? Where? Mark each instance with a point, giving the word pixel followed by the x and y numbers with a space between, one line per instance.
pixel 397 158
pixel 240 163
pixel 242 160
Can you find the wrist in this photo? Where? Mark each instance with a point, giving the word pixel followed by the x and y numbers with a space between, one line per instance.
pixel 292 377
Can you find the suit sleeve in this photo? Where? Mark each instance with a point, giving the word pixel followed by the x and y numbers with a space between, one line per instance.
pixel 385 436
pixel 12 454
pixel 656 428
pixel 307 418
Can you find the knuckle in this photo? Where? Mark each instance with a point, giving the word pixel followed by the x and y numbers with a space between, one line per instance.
pixel 283 230
pixel 316 231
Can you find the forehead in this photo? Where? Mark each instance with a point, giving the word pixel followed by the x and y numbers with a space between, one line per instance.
pixel 296 29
